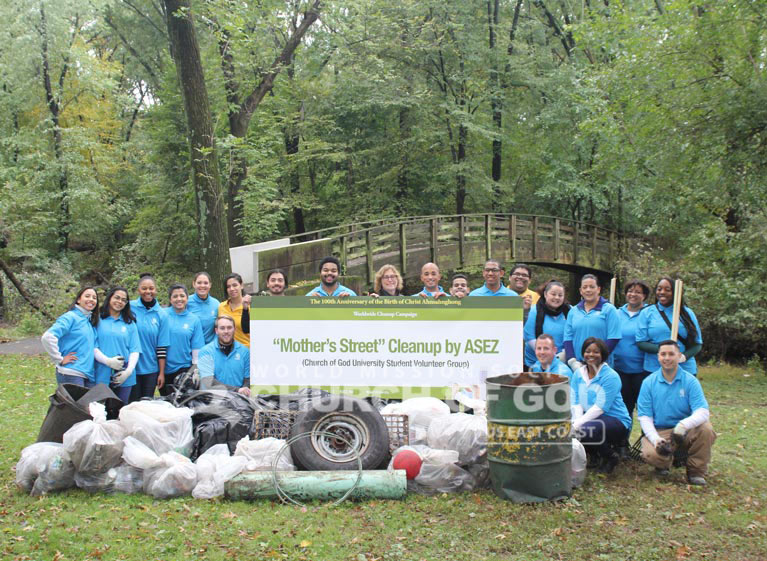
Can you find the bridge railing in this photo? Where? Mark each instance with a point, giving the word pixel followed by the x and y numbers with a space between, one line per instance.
pixel 452 241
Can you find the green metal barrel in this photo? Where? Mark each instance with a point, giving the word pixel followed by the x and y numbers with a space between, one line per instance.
pixel 529 444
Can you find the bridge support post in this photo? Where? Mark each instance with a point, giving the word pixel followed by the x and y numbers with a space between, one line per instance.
pixel 369 256
pixel 488 236
pixel 534 249
pixel 593 246
pixel 576 235
pixel 402 249
pixel 461 227
pixel 556 239
pixel 513 236
pixel 433 229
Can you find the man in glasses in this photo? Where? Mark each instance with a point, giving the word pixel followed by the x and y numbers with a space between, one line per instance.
pixel 519 282
pixel 493 274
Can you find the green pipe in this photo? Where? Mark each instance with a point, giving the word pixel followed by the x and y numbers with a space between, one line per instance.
pixel 322 485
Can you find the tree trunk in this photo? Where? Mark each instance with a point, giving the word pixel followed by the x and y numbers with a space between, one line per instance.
pixel 64 222
pixel 496 100
pixel 24 294
pixel 460 195
pixel 211 214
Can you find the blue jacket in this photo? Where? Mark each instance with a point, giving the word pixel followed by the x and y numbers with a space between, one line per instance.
pixel 76 334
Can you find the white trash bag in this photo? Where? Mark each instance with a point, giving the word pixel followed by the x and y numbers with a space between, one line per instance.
pixel 420 411
pixel 44 467
pixel 261 453
pixel 214 468
pixel 439 471
pixel 159 425
pixel 95 445
pixel 464 433
pixel 578 463
pixel 121 479
pixel 166 475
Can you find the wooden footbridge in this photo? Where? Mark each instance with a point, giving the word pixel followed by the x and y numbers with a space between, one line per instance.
pixel 453 242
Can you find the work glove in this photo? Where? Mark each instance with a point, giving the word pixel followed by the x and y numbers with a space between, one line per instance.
pixel 119 377
pixel 116 362
pixel 562 355
pixel 574 364
pixel 663 448
pixel 678 434
pixel 194 376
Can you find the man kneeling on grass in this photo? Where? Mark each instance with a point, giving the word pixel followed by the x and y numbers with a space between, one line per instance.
pixel 674 415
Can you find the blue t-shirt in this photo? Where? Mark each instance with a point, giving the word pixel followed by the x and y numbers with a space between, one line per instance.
pixel 206 310
pixel 627 357
pixel 319 291
pixel 653 328
pixel 604 391
pixel 601 321
pixel 231 369
pixel 426 292
pixel 556 367
pixel 116 338
pixel 152 333
pixel 185 334
pixel 668 403
pixel 76 335
pixel 485 291
pixel 552 325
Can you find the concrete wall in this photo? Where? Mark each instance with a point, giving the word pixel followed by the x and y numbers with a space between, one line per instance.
pixel 245 259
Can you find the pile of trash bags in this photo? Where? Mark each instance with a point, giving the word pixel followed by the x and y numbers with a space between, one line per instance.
pixel 452 447
pixel 146 450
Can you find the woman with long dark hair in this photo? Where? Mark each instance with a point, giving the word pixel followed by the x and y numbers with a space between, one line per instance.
pixel 152 324
pixel 72 341
pixel 186 338
pixel 237 307
pixel 548 315
pixel 655 327
pixel 118 335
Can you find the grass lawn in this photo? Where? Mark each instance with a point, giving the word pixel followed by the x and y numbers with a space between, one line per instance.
pixel 630 515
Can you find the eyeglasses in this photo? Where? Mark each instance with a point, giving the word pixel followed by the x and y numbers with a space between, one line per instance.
pixel 491 270
pixel 389 277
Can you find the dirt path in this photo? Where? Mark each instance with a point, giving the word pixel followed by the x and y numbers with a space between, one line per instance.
pixel 31 346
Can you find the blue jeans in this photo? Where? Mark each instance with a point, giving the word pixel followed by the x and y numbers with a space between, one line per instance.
pixel 123 392
pixel 76 380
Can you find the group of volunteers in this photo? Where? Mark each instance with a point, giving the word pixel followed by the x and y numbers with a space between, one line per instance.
pixel 617 359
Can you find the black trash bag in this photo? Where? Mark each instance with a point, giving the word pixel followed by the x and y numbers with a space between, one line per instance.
pixel 296 400
pixel 234 409
pixel 69 406
pixel 209 433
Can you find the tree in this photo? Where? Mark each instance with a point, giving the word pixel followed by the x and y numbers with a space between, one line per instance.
pixel 211 206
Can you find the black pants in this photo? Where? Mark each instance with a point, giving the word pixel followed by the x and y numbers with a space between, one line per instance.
pixel 145 385
pixel 631 383
pixel 168 388
pixel 602 434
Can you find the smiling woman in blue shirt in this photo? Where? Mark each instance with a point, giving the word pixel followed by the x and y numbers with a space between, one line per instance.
pixel 118 335
pixel 655 327
pixel 186 339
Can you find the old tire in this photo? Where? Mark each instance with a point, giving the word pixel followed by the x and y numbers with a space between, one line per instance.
pixel 354 420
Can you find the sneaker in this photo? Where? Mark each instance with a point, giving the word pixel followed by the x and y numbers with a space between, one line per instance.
pixel 696 480
pixel 623 452
pixel 662 472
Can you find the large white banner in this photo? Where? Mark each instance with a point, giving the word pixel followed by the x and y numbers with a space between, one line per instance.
pixel 395 348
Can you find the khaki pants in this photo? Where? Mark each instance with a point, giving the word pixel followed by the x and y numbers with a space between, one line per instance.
pixel 697 441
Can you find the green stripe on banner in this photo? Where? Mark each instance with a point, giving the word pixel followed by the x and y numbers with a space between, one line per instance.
pixel 384 314
pixel 408 302
pixel 385 392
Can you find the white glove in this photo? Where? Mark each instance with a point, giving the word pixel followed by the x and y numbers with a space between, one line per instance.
pixel 116 362
pixel 562 355
pixel 574 364
pixel 678 434
pixel 119 377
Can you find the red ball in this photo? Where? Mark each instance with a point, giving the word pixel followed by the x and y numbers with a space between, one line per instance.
pixel 409 461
